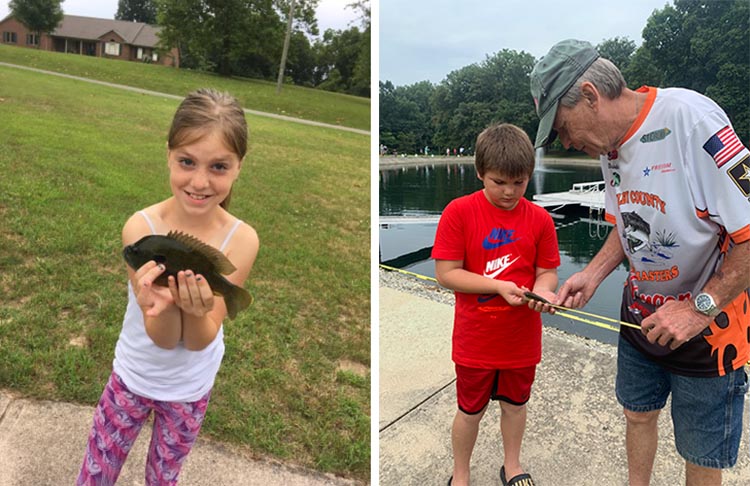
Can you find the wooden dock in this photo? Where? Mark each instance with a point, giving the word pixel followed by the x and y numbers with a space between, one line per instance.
pixel 586 194
pixel 427 219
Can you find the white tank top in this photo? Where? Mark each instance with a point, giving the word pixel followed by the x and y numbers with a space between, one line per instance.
pixel 170 375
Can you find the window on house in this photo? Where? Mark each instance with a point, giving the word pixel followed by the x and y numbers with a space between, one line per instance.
pixel 139 53
pixel 32 39
pixel 10 37
pixel 112 48
pixel 154 56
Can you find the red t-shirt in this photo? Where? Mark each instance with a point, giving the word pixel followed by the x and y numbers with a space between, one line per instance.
pixel 504 245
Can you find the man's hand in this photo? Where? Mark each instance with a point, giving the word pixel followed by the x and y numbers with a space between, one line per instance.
pixel 674 324
pixel 575 292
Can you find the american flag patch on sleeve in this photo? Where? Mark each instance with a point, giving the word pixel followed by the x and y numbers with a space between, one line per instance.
pixel 723 145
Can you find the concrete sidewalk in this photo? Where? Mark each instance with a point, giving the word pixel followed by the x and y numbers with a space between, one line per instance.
pixel 575 434
pixel 42 444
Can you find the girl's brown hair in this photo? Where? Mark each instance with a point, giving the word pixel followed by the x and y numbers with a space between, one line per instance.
pixel 204 110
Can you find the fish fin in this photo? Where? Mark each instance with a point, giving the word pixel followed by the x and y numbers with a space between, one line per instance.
pixel 217 258
pixel 237 300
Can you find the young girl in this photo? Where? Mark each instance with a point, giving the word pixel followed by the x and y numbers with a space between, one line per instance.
pixel 171 343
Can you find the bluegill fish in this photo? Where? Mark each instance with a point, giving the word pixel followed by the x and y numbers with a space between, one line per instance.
pixel 178 251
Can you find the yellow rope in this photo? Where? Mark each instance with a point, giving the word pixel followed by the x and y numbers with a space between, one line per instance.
pixel 563 312
pixel 588 321
pixel 406 272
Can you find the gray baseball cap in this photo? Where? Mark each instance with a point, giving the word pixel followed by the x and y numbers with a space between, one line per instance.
pixel 552 77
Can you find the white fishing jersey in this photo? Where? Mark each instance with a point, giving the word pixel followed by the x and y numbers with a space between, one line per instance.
pixel 678 190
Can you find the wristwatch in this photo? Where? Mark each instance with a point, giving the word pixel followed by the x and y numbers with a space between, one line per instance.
pixel 706 305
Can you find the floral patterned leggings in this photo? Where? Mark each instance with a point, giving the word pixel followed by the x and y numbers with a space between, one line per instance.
pixel 118 420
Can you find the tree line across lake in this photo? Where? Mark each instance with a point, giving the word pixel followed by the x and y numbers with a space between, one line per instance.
pixel 698 44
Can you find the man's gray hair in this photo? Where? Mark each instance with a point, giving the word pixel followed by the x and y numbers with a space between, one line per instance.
pixel 604 75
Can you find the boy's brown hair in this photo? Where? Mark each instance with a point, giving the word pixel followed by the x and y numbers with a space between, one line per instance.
pixel 506 149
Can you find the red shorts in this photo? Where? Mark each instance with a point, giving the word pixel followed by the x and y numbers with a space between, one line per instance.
pixel 476 387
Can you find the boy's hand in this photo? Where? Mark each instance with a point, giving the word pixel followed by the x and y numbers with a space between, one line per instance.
pixel 540 306
pixel 511 292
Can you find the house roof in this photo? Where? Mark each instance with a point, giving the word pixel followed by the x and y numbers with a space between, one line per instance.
pixel 90 28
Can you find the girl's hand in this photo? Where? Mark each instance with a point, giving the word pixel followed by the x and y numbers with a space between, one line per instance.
pixel 153 299
pixel 512 294
pixel 191 293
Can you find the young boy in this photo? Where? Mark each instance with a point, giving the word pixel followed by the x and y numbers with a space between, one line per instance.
pixel 492 246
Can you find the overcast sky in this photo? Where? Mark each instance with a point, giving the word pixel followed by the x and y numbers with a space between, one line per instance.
pixel 331 14
pixel 427 39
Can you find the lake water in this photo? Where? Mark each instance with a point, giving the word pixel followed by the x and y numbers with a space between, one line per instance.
pixel 422 192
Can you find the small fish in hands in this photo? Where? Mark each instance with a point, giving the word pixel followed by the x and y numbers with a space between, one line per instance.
pixel 532 296
pixel 178 251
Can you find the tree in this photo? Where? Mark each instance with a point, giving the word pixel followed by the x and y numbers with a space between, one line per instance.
pixel 469 99
pixel 360 83
pixel 228 36
pixel 136 11
pixel 703 45
pixel 301 64
pixel 340 54
pixel 238 37
pixel 642 70
pixel 405 116
pixel 453 113
pixel 304 14
pixel 39 16
pixel 305 10
pixel 619 50
pixel 344 56
pixel 698 44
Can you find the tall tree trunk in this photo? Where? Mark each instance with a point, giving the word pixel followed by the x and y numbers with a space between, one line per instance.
pixel 226 44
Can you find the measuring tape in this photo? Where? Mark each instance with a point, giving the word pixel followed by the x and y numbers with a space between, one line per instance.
pixel 563 311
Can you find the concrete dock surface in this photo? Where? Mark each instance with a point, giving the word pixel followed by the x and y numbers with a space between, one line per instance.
pixel 575 433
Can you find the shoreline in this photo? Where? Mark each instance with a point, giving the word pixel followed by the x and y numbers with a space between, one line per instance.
pixel 395 162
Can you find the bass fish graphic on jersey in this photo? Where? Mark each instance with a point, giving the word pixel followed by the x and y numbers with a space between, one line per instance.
pixel 637 234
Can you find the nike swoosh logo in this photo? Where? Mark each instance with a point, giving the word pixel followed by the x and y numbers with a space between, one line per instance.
pixel 498 237
pixel 501 269
pixel 490 244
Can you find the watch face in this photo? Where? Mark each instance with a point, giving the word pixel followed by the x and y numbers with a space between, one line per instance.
pixel 704 303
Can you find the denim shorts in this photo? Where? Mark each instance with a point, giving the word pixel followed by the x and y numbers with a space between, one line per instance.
pixel 706 412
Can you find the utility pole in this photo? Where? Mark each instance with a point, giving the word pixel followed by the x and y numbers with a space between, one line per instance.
pixel 286 47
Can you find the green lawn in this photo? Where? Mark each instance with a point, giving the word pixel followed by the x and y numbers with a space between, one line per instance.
pixel 294 101
pixel 78 159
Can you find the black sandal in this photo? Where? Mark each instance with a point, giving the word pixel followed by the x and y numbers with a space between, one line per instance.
pixel 519 480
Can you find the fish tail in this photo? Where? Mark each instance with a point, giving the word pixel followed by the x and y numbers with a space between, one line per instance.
pixel 236 300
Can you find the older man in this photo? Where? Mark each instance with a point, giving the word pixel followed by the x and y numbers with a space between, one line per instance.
pixel 678 193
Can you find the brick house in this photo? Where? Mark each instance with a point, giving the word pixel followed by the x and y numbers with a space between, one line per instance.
pixel 114 39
